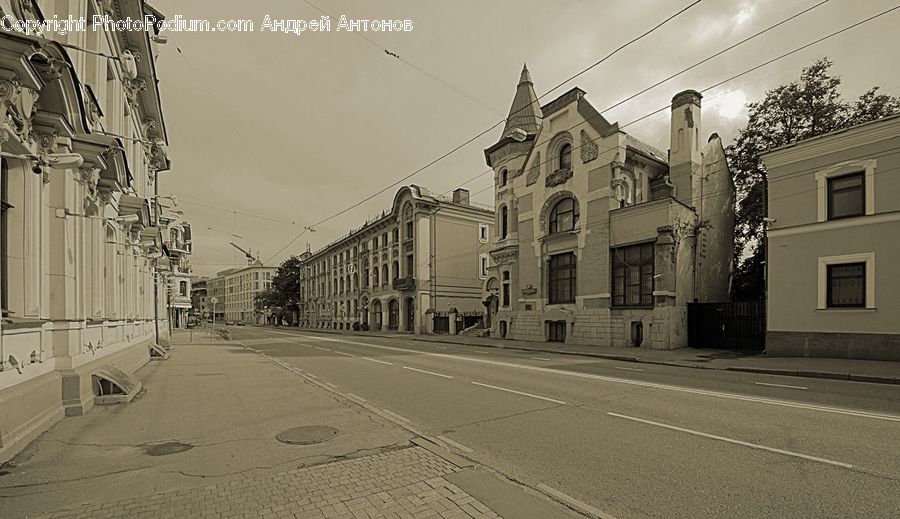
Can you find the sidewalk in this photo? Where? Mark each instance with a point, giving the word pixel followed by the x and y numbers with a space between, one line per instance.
pixel 875 371
pixel 200 441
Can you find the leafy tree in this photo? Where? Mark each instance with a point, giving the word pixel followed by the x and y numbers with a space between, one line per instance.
pixel 789 113
pixel 283 298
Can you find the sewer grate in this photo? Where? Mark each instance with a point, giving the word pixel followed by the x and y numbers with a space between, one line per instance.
pixel 164 449
pixel 307 434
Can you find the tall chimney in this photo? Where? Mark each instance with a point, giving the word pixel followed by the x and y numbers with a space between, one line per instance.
pixel 461 196
pixel 685 154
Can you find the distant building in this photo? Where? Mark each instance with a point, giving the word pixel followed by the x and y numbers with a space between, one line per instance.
pixel 601 238
pixel 200 307
pixel 834 253
pixel 176 233
pixel 215 290
pixel 241 287
pixel 403 271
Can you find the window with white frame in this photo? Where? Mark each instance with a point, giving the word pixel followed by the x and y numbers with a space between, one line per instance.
pixel 483 265
pixel 482 233
pixel 847 281
pixel 846 190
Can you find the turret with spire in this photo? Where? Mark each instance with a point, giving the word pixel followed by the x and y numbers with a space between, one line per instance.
pixel 522 124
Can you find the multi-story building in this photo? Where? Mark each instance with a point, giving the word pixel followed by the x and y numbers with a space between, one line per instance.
pixel 215 290
pixel 241 288
pixel 176 234
pixel 82 141
pixel 418 261
pixel 601 238
pixel 833 253
pixel 200 307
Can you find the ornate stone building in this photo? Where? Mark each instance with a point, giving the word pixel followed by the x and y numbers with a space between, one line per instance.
pixel 601 238
pixel 422 259
pixel 82 141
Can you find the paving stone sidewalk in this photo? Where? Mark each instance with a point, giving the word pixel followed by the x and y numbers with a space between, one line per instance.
pixel 405 483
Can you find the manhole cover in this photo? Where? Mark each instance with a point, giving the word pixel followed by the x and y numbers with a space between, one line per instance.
pixel 164 449
pixel 307 434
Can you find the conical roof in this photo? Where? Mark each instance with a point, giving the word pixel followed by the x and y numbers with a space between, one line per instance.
pixel 525 112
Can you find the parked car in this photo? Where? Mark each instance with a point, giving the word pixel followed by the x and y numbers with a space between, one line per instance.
pixel 192 324
pixel 229 322
pixel 241 323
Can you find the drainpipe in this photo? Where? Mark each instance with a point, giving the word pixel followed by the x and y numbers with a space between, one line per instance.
pixel 156 263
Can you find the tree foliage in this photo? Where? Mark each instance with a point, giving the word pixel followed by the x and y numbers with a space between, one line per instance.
pixel 283 298
pixel 787 114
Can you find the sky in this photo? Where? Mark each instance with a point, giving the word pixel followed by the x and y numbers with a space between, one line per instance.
pixel 272 132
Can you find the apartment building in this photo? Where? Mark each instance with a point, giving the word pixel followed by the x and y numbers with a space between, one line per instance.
pixel 241 287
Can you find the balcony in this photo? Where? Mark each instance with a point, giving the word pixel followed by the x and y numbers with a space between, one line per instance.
pixel 404 283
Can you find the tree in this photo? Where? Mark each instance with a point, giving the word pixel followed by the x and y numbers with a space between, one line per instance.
pixel 787 114
pixel 283 298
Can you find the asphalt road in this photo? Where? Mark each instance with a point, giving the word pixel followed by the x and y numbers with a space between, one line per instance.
pixel 630 440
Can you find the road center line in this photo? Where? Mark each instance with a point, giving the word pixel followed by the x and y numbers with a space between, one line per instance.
pixel 321 348
pixel 395 415
pixel 378 361
pixel 664 387
pixel 779 385
pixel 455 444
pixel 347 354
pixel 519 393
pixel 736 442
pixel 541 358
pixel 429 372
pixel 627 369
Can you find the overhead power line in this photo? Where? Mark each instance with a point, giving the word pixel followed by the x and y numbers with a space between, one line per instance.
pixel 472 139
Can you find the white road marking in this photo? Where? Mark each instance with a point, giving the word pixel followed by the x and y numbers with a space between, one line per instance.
pixel 642 383
pixel 519 393
pixel 455 444
pixel 442 347
pixel 321 348
pixel 357 397
pixel 395 415
pixel 482 352
pixel 580 505
pixel 736 442
pixel 311 375
pixel 429 372
pixel 332 386
pixel 540 358
pixel 779 385
pixel 378 361
pixel 627 369
pixel 347 354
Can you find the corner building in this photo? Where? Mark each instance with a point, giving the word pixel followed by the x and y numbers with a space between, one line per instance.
pixel 601 238
pixel 404 271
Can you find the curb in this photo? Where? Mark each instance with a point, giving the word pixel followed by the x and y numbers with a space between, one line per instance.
pixel 830 375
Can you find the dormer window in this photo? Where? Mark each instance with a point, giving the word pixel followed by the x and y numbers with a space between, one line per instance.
pixel 563 216
pixel 565 156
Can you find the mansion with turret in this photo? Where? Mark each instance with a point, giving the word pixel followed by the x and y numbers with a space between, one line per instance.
pixel 601 238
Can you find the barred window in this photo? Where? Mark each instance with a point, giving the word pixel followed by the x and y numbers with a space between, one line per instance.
pixel 847 285
pixel 562 278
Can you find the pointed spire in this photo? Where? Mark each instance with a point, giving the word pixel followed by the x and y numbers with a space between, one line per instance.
pixel 525 112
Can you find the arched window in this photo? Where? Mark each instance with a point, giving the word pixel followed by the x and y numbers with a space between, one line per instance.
pixel 384 274
pixel 375 276
pixel 503 177
pixel 565 156
pixel 563 216
pixel 182 288
pixel 504 222
pixel 396 267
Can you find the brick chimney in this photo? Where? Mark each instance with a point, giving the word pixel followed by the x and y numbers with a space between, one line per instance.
pixel 461 196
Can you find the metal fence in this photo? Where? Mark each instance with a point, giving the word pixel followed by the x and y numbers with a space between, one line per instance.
pixel 731 326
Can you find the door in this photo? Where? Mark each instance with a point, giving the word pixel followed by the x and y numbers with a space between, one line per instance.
pixel 393 314
pixel 410 314
pixel 556 331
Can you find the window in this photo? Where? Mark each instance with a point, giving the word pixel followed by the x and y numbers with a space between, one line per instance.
pixel 562 278
pixel 565 156
pixel 396 269
pixel 396 236
pixel 632 269
pixel 482 233
pixel 504 222
pixel 483 265
pixel 563 216
pixel 410 265
pixel 504 300
pixel 409 229
pixel 375 276
pixel 846 285
pixel 384 274
pixel 846 196
pixel 502 177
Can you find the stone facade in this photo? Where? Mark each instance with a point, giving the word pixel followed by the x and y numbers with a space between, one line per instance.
pixel 82 141
pixel 601 238
pixel 426 255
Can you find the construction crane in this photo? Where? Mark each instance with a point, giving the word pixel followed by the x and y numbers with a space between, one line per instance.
pixel 251 259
